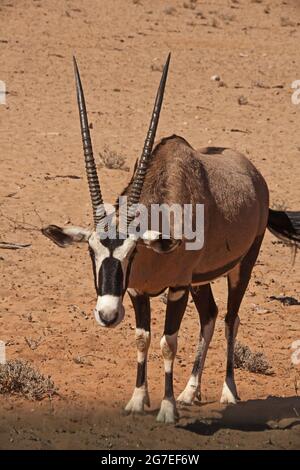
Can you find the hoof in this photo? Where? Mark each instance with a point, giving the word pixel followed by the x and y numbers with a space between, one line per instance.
pixel 189 395
pixel 229 394
pixel 138 401
pixel 168 413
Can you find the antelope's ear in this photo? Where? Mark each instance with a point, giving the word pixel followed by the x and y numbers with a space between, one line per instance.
pixel 154 240
pixel 66 236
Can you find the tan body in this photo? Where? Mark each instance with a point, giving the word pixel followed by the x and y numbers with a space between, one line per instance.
pixel 236 204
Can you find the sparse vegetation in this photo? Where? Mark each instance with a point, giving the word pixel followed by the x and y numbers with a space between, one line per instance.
pixel 279 205
pixel 244 358
pixel 18 377
pixel 285 300
pixel 112 160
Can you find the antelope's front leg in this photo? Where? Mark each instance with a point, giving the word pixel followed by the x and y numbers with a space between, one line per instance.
pixel 177 300
pixel 207 310
pixel 140 396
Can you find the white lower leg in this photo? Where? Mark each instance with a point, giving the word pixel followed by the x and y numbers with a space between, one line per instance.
pixel 168 411
pixel 190 392
pixel 140 396
pixel 192 389
pixel 229 391
pixel 139 399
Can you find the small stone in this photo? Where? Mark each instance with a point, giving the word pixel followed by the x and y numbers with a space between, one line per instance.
pixel 262 310
pixel 242 100
pixel 156 67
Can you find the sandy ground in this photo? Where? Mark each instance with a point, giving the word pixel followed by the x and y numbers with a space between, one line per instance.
pixel 47 293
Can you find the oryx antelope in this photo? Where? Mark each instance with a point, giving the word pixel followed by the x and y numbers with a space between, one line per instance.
pixel 236 214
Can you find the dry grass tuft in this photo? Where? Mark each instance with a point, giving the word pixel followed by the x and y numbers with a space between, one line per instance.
pixel 279 205
pixel 20 378
pixel 253 362
pixel 112 160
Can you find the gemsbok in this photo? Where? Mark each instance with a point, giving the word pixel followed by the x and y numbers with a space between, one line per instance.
pixel 235 202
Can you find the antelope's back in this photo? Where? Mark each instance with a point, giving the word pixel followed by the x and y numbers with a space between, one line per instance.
pixel 217 177
pixel 235 199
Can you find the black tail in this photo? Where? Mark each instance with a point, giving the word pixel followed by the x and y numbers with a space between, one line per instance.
pixel 285 225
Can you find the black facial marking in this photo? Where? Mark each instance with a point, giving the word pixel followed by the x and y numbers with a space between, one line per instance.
pixel 110 277
pixel 112 243
pixel 92 255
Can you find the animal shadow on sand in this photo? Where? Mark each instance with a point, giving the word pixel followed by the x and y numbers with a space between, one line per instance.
pixel 253 415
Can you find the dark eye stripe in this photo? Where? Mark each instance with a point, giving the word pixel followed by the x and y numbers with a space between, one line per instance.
pixel 92 255
pixel 112 244
pixel 110 277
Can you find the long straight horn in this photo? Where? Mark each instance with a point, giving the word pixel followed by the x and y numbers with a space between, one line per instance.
pixel 90 166
pixel 142 166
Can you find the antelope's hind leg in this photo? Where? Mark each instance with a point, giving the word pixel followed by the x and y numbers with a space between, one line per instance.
pixel 208 311
pixel 238 280
pixel 140 396
pixel 177 300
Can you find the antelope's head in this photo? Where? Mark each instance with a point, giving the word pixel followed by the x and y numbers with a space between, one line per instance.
pixel 111 256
